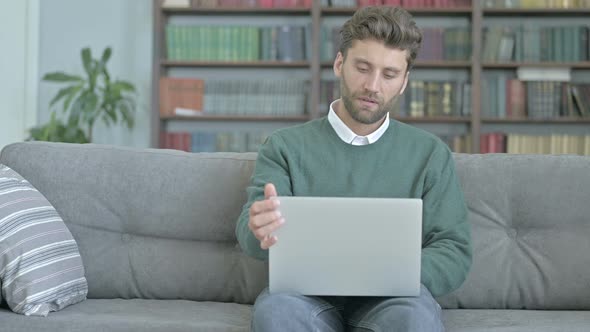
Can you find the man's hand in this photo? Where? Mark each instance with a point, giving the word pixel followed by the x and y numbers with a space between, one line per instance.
pixel 265 218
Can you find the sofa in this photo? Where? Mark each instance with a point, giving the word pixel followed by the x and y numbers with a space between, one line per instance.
pixel 155 230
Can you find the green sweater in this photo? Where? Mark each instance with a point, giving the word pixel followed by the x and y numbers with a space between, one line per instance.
pixel 406 162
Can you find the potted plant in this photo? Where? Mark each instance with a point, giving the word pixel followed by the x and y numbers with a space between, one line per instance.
pixel 86 100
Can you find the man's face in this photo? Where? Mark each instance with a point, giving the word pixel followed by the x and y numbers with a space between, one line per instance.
pixel 372 77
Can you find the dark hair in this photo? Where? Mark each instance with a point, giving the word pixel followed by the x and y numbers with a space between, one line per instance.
pixel 393 26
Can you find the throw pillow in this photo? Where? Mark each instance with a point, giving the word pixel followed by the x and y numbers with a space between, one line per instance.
pixel 40 266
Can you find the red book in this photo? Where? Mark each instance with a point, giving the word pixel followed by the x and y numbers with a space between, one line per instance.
pixel 186 93
pixel 265 3
pixel 483 143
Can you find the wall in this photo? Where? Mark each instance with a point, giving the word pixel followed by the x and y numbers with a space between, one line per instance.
pixel 67 26
pixel 19 68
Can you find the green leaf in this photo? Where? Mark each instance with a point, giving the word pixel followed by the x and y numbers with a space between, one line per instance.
pixel 127 114
pixel 76 109
pixel 106 55
pixel 90 101
pixel 87 60
pixel 124 86
pixel 62 93
pixel 62 77
pixel 70 97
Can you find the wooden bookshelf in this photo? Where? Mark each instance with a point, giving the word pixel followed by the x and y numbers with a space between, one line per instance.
pixel 476 15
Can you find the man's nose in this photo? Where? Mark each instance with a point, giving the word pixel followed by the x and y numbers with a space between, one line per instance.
pixel 372 83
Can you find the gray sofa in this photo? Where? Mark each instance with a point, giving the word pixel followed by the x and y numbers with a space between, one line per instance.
pixel 155 230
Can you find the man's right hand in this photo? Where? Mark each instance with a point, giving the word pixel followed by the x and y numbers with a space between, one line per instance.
pixel 265 217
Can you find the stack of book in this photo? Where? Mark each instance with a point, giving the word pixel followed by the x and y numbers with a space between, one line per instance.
pixel 194 97
pixel 531 43
pixel 536 93
pixel 237 43
pixel 450 44
pixel 498 142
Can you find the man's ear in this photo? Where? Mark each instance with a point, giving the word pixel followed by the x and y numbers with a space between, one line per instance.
pixel 338 64
pixel 405 83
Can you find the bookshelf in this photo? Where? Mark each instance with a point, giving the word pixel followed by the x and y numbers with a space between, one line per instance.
pixel 477 14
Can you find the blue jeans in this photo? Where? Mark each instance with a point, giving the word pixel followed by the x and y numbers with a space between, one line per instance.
pixel 293 312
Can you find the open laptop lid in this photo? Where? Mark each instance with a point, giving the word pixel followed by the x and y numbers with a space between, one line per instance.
pixel 347 247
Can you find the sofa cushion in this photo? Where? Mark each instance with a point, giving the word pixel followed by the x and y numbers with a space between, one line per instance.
pixel 40 266
pixel 136 315
pixel 530 217
pixel 156 224
pixel 468 320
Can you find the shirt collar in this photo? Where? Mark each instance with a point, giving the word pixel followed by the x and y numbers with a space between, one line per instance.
pixel 348 136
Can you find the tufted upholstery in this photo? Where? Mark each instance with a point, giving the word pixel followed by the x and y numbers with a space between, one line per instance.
pixel 530 219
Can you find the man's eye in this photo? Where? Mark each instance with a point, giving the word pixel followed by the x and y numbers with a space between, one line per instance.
pixel 362 70
pixel 389 77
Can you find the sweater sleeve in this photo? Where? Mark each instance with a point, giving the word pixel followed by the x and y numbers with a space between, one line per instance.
pixel 271 167
pixel 446 240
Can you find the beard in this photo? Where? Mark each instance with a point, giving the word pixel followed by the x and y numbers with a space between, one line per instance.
pixel 366 117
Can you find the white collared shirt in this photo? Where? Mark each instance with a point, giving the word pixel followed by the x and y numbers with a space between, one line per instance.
pixel 348 136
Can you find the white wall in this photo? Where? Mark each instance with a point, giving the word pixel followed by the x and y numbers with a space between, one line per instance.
pixel 18 68
pixel 67 26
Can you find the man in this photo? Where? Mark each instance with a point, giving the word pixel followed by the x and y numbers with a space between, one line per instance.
pixel 358 151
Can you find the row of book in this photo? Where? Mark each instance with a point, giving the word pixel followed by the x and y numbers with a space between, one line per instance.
pixel 206 141
pixel 290 43
pixel 237 43
pixel 253 3
pixel 435 98
pixel 194 97
pixel 558 4
pixel 498 142
pixel 437 44
pixel 504 97
pixel 307 3
pixel 495 142
pixel 403 3
pixel 534 43
pixel 420 99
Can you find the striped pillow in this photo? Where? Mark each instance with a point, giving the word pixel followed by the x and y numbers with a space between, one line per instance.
pixel 40 266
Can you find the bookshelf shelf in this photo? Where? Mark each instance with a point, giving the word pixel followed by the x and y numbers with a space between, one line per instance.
pixel 427 64
pixel 237 11
pixel 456 11
pixel 514 65
pixel 226 64
pixel 536 11
pixel 438 119
pixel 538 121
pixel 237 118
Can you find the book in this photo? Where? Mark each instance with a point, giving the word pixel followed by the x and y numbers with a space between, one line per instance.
pixel 180 94
pixel 176 4
pixel 544 74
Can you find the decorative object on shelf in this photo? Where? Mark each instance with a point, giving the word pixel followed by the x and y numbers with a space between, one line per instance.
pixel 86 100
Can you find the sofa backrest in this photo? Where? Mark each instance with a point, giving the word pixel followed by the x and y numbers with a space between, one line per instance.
pixel 160 223
pixel 530 217
pixel 149 223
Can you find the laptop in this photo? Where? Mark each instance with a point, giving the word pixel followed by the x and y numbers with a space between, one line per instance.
pixel 336 246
